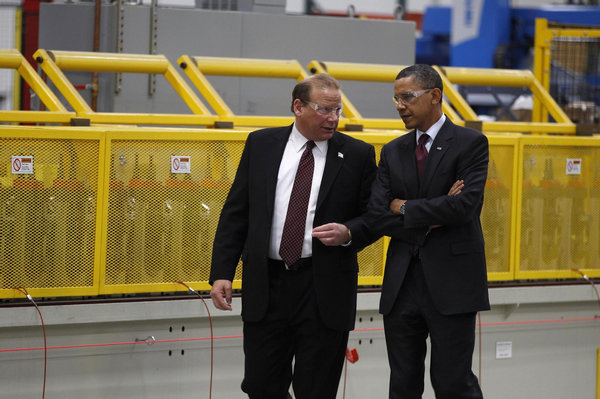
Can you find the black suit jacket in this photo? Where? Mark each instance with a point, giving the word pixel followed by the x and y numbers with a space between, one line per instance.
pixel 452 255
pixel 245 223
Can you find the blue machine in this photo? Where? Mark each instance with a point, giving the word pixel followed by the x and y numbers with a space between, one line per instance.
pixel 488 33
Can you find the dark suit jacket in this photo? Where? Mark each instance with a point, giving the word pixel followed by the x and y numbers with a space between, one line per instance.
pixel 452 255
pixel 245 224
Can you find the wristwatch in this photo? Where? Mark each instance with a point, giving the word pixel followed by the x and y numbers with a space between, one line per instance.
pixel 403 208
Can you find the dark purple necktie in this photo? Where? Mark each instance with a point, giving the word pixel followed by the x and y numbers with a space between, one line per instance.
pixel 292 237
pixel 421 154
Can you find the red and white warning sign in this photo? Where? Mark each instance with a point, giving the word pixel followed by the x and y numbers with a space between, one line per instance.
pixel 573 166
pixel 180 164
pixel 21 165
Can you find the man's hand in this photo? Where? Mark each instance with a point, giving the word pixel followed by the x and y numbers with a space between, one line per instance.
pixel 395 205
pixel 332 234
pixel 221 294
pixel 456 188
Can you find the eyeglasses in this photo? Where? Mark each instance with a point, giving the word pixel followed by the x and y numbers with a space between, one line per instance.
pixel 407 97
pixel 323 110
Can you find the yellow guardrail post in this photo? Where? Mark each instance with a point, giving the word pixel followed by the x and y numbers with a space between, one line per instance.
pixel 387 74
pixel 541 65
pixel 54 62
pixel 456 99
pixel 349 109
pixel 57 113
pixel 46 62
pixel 196 68
pixel 13 59
pixel 190 68
pixel 514 78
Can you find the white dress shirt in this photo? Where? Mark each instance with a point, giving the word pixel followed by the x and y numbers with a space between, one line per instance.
pixel 431 132
pixel 285 182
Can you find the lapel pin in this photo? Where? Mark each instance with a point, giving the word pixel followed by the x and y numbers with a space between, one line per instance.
pixel 340 155
pixel 439 148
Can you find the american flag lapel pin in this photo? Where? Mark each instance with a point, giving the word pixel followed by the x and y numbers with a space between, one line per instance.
pixel 340 155
pixel 439 148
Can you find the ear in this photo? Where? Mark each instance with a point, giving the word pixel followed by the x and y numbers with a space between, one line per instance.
pixel 436 96
pixel 298 107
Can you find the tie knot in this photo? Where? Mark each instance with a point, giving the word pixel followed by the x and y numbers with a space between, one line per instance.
pixel 310 144
pixel 423 139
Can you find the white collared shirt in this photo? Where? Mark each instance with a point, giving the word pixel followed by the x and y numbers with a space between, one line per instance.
pixel 285 182
pixel 431 132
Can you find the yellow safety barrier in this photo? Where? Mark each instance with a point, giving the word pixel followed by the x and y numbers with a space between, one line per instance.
pixel 462 111
pixel 54 62
pixel 112 210
pixel 559 207
pixel 57 113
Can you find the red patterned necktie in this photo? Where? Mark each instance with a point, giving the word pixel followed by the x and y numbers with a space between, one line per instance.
pixel 421 154
pixel 292 237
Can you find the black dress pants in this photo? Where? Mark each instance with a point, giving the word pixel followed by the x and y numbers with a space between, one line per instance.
pixel 411 320
pixel 292 332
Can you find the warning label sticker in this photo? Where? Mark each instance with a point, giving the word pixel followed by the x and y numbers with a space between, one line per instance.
pixel 180 164
pixel 21 165
pixel 573 166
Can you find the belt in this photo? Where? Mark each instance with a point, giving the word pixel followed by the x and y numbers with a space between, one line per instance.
pixel 301 264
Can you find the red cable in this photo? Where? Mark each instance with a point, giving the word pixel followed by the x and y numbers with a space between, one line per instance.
pixel 586 278
pixel 24 292
pixel 502 323
pixel 157 341
pixel 211 335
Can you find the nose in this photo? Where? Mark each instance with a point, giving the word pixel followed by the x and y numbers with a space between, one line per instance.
pixel 333 116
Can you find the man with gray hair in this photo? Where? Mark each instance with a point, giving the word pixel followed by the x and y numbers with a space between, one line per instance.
pixel 293 216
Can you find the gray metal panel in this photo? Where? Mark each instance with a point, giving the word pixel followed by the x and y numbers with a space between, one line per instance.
pixel 233 34
pixel 76 33
pixel 308 38
pixel 280 3
pixel 268 9
pixel 201 33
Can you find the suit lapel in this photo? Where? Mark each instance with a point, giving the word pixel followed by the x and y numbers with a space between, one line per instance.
pixel 439 147
pixel 409 163
pixel 273 153
pixel 333 162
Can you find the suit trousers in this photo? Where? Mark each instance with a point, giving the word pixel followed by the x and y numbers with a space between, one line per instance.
pixel 292 331
pixel 407 326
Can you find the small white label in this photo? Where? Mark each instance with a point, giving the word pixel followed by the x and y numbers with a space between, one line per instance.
pixel 573 166
pixel 504 350
pixel 180 164
pixel 21 165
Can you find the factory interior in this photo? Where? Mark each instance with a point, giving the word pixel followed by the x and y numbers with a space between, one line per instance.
pixel 122 124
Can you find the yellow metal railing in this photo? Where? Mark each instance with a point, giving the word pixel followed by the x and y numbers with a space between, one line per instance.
pixel 54 63
pixel 514 78
pixel 460 110
pixel 197 68
pixel 57 113
pixel 371 73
